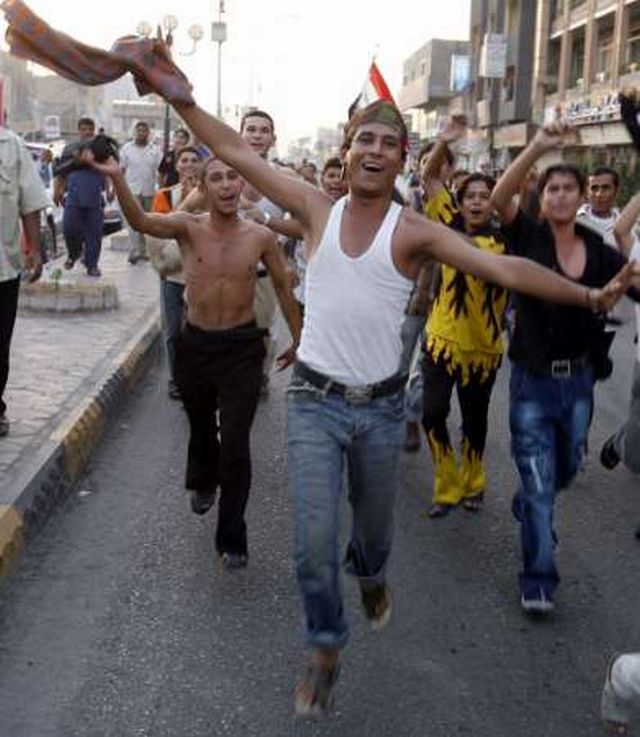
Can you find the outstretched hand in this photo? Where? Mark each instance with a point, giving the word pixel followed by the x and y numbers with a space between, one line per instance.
pixel 286 358
pixel 629 275
pixel 455 128
pixel 109 168
pixel 557 133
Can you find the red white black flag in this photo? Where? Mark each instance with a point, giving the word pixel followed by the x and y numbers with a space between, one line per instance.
pixel 374 88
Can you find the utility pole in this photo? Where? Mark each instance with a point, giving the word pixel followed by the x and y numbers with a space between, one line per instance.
pixel 219 36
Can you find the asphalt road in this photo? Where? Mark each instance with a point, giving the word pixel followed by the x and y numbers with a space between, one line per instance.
pixel 119 622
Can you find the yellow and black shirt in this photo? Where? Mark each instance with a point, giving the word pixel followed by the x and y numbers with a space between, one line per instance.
pixel 465 325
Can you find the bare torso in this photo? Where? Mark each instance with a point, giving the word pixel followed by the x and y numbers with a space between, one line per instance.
pixel 219 265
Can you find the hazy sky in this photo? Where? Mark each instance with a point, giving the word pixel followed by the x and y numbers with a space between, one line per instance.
pixel 302 60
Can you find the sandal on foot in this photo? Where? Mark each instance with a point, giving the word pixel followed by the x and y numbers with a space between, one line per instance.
pixel 615 711
pixel 377 604
pixel 439 510
pixel 314 694
pixel 474 503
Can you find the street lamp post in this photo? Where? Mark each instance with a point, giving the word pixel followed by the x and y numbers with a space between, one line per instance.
pixel 219 36
pixel 170 23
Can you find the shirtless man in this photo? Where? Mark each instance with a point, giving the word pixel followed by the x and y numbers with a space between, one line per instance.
pixel 218 365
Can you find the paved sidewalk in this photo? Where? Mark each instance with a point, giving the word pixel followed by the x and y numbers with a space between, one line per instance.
pixel 67 372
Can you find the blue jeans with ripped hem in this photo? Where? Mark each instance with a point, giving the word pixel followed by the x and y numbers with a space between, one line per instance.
pixel 325 434
pixel 549 419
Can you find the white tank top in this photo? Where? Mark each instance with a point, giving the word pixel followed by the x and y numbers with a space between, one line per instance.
pixel 354 307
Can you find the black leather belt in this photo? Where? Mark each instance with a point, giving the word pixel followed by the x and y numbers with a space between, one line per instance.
pixel 352 394
pixel 559 368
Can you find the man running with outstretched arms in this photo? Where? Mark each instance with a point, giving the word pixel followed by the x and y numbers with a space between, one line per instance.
pixel 346 397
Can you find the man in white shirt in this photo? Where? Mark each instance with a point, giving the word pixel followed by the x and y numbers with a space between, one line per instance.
pixel 258 130
pixel 140 159
pixel 22 196
pixel 599 212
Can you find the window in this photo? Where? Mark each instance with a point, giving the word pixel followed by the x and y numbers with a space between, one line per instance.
pixel 553 65
pixel 576 68
pixel 604 49
pixel 632 57
pixel 557 9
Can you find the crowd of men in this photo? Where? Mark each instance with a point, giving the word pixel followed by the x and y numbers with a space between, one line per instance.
pixel 474 257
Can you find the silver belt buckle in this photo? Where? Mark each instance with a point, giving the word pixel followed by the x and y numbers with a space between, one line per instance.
pixel 358 394
pixel 561 369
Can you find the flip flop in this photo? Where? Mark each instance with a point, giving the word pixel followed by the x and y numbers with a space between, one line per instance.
pixel 474 503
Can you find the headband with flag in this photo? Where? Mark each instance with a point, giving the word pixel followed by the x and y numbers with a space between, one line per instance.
pixel 374 88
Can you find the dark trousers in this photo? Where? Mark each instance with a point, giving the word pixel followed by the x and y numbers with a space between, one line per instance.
pixel 218 374
pixel 8 308
pixel 83 225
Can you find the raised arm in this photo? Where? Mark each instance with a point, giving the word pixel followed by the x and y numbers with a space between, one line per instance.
pixel 454 130
pixel 623 228
pixel 292 194
pixel 547 137
pixel 170 225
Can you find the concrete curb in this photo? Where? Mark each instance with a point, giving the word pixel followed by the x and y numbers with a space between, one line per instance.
pixel 60 460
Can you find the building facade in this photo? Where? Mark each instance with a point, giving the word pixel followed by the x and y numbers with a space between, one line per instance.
pixel 432 76
pixel 586 51
pixel 572 55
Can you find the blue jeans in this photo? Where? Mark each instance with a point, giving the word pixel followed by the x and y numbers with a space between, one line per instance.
pixel 83 226
pixel 172 302
pixel 324 430
pixel 549 420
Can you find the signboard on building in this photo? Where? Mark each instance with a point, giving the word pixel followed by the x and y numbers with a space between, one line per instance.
pixel 51 127
pixel 460 72
pixel 493 56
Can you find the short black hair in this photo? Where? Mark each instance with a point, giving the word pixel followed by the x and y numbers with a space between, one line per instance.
pixel 189 150
pixel 470 179
pixel 333 163
pixel 563 168
pixel 460 173
pixel 86 121
pixel 257 114
pixel 606 170
pixel 428 147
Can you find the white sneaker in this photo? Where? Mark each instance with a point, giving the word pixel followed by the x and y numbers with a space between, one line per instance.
pixel 536 604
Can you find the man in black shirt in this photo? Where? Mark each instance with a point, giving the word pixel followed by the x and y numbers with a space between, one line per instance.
pixel 556 353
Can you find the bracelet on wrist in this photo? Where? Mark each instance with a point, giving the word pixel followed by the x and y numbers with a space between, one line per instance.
pixel 592 299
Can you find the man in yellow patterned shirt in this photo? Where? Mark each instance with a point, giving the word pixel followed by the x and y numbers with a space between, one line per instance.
pixel 463 337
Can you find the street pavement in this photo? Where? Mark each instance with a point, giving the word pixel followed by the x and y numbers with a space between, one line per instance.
pixel 69 371
pixel 55 358
pixel 120 622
